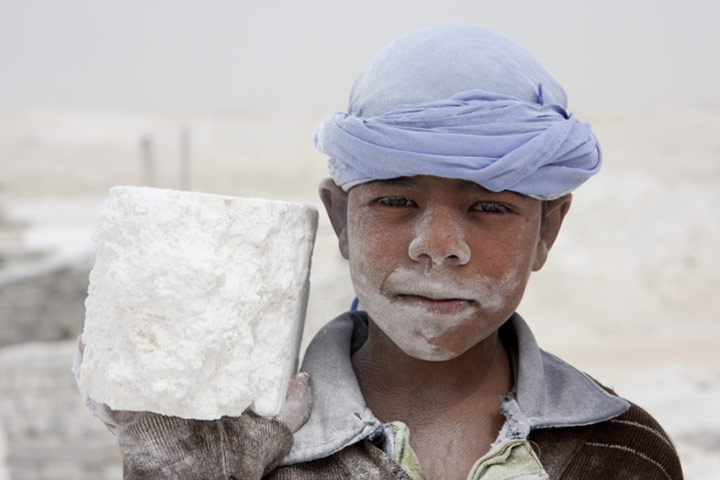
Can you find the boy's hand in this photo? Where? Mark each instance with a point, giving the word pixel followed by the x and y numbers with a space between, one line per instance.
pixel 157 446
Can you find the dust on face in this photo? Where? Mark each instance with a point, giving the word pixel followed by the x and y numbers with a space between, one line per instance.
pixel 440 264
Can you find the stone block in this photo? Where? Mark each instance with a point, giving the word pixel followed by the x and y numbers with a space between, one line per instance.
pixel 196 302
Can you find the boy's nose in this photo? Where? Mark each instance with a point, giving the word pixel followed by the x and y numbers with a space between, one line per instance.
pixel 439 239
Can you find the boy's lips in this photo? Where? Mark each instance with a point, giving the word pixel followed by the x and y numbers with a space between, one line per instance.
pixel 437 294
pixel 437 304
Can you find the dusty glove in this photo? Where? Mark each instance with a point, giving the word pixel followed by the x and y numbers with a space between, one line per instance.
pixel 158 447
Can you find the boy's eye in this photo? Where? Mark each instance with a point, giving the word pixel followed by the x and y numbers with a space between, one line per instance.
pixel 396 202
pixel 491 207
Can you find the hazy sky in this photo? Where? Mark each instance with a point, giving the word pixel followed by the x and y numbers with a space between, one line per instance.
pixel 180 55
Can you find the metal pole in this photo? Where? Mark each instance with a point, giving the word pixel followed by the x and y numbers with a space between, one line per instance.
pixel 185 158
pixel 146 157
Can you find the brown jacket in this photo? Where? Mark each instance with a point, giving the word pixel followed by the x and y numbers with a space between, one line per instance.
pixel 631 446
pixel 578 429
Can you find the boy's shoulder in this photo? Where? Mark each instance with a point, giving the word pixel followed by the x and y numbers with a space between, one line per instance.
pixel 632 445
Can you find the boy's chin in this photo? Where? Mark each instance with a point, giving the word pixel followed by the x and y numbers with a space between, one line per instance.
pixel 434 356
pixel 423 349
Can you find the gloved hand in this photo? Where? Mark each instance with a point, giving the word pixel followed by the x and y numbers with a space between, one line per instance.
pixel 158 447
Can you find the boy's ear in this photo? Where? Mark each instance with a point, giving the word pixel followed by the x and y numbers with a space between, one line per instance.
pixel 335 200
pixel 555 211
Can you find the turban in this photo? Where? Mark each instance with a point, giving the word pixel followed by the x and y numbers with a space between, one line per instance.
pixel 459 102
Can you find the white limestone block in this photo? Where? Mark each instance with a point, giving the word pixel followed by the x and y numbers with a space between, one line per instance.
pixel 196 302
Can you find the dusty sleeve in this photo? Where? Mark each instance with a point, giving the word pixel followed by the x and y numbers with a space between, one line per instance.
pixel 158 447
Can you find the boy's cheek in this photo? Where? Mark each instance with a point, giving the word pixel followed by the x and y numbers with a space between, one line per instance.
pixel 376 243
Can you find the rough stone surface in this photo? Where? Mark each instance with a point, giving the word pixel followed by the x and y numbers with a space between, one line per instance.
pixel 49 433
pixel 196 302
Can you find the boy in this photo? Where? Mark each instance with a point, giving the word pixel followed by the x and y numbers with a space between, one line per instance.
pixel 451 176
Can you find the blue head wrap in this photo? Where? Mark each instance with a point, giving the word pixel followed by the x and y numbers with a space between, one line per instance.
pixel 459 102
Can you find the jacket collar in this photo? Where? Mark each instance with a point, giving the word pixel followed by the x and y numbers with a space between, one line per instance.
pixel 548 392
pixel 339 415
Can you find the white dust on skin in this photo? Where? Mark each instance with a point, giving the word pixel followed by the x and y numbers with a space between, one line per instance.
pixel 471 310
pixel 423 289
pixel 418 330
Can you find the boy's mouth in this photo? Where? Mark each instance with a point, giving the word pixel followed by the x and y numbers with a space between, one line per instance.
pixel 440 306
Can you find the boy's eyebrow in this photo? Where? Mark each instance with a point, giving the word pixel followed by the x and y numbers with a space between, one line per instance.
pixel 472 186
pixel 418 182
pixel 400 182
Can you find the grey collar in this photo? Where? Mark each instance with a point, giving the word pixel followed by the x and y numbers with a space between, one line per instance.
pixel 548 392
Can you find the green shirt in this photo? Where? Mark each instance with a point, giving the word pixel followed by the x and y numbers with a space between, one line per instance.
pixel 510 459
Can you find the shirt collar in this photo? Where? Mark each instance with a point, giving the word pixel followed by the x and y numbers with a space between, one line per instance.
pixel 548 392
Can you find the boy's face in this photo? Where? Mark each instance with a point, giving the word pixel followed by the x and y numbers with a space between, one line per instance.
pixel 440 264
